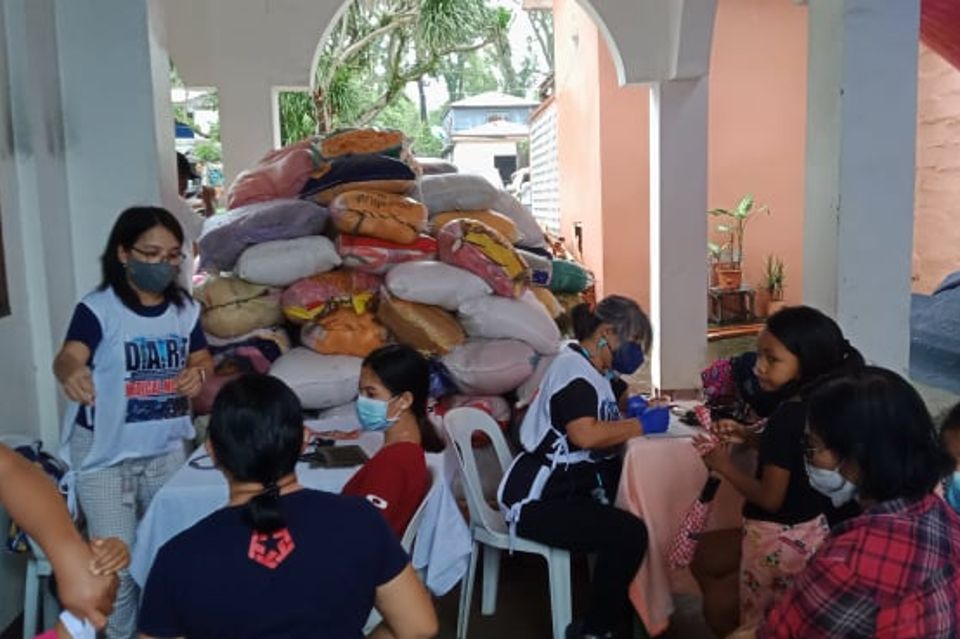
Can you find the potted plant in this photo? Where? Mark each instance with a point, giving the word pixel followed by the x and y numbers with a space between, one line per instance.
pixel 730 272
pixel 771 290
pixel 715 253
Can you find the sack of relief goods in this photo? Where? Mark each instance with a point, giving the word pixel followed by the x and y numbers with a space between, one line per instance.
pixel 320 381
pixel 371 255
pixel 490 367
pixel 385 216
pixel 426 328
pixel 494 220
pixel 315 296
pixel 435 283
pixel 344 332
pixel 358 173
pixel 522 319
pixel 226 235
pixel 233 307
pixel 476 247
pixel 283 262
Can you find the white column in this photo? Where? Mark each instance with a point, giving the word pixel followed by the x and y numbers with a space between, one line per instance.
pixel 678 231
pixel 247 121
pixel 861 137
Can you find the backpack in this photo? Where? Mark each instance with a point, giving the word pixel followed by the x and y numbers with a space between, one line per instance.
pixel 54 467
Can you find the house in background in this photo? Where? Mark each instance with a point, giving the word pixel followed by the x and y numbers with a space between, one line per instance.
pixel 484 131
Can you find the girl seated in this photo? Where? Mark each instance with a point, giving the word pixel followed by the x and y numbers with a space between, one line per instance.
pixel 394 389
pixel 279 560
pixel 894 571
pixel 783 515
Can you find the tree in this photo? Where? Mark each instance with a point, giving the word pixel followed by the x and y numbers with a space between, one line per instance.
pixel 297 119
pixel 381 45
pixel 541 21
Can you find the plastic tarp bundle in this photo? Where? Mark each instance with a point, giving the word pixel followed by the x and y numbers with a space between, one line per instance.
pixel 344 332
pixel 490 367
pixel 426 328
pixel 378 256
pixel 313 297
pixel 233 307
pixel 503 318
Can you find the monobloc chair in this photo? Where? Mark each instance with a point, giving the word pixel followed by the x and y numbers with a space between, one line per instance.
pixel 489 530
pixel 409 536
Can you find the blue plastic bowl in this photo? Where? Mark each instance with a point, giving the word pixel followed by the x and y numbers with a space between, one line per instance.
pixel 655 420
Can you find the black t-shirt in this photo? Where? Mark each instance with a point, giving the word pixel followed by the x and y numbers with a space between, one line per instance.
pixel 316 578
pixel 781 444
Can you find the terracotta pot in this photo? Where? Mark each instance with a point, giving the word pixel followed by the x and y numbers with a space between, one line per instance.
pixel 729 277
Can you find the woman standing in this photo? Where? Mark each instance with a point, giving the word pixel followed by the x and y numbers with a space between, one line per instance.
pixel 133 357
pixel 561 489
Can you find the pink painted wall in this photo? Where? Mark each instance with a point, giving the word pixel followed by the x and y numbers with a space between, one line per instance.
pixel 758 110
pixel 936 240
pixel 757 135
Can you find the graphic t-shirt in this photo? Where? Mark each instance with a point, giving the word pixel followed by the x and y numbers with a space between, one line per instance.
pixel 395 481
pixel 315 578
pixel 151 362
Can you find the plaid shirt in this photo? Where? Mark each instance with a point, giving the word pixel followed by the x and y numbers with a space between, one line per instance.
pixel 891 573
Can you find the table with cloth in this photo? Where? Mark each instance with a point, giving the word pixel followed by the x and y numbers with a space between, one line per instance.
pixel 662 477
pixel 441 551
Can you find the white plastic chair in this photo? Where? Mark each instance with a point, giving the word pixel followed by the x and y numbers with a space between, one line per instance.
pixel 35 583
pixel 406 542
pixel 490 531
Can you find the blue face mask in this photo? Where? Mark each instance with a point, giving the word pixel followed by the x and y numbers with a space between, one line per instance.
pixel 151 277
pixel 628 358
pixel 372 414
pixel 952 491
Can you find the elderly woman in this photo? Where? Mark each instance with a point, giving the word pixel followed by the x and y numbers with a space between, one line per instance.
pixel 895 570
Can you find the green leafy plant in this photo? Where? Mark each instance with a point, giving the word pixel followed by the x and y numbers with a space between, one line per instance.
pixel 774 276
pixel 736 225
pixel 716 251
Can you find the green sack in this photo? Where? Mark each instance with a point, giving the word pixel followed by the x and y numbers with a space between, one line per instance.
pixel 569 277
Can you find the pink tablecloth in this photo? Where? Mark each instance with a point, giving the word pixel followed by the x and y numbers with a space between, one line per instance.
pixel 661 479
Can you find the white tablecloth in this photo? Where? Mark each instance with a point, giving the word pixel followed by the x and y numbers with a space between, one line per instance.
pixel 441 551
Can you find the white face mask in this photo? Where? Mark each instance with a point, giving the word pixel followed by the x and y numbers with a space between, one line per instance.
pixel 831 484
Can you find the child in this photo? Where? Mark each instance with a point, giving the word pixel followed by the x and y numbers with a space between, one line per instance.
pixel 950 439
pixel 784 520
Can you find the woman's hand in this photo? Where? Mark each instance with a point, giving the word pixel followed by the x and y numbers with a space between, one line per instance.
pixel 78 385
pixel 730 430
pixel 110 556
pixel 190 381
pixel 716 459
pixel 86 595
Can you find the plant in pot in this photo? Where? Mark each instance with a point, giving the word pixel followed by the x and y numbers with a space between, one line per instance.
pixel 771 292
pixel 715 252
pixel 730 271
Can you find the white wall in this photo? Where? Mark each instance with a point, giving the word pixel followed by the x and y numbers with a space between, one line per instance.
pixel 477 158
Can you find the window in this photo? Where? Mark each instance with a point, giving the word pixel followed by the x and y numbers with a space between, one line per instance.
pixel 498 116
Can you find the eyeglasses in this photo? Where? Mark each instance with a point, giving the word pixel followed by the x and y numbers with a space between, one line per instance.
pixel 155 257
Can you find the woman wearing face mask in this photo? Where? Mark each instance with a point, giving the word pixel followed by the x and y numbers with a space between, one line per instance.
pixel 561 489
pixel 133 357
pixel 394 389
pixel 895 570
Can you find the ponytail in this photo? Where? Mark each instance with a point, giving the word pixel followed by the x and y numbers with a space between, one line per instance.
pixel 262 513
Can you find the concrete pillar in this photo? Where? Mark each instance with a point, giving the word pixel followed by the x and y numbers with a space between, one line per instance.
pixel 861 137
pixel 247 122
pixel 678 231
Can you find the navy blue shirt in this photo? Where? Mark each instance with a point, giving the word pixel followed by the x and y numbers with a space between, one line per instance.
pixel 315 579
pixel 85 328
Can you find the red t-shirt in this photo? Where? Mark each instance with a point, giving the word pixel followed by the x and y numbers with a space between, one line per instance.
pixel 395 480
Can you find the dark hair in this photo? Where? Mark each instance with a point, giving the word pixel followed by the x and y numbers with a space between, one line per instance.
pixel 876 419
pixel 622 313
pixel 403 369
pixel 951 423
pixel 128 228
pixel 816 341
pixel 256 430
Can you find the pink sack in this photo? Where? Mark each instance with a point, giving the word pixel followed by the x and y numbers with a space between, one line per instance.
pixel 279 174
pixel 482 250
pixel 319 295
pixel 372 255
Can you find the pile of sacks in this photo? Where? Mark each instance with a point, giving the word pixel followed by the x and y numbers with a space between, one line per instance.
pixel 333 247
